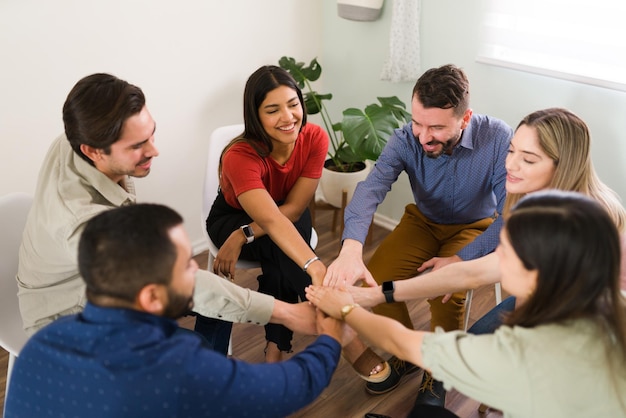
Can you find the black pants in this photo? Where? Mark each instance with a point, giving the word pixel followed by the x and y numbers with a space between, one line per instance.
pixel 281 278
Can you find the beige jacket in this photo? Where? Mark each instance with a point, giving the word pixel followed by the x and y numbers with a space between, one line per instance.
pixel 69 193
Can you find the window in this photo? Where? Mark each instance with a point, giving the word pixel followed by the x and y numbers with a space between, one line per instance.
pixel 577 40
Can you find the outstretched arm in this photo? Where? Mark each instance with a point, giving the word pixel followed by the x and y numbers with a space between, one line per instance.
pixel 380 331
pixel 269 219
pixel 448 279
pixel 348 268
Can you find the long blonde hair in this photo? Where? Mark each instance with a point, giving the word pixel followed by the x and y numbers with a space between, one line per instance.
pixel 565 138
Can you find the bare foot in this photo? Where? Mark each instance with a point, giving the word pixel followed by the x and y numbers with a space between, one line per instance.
pixel 353 351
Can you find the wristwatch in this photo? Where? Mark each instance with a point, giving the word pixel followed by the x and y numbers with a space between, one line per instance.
pixel 347 309
pixel 248 233
pixel 388 289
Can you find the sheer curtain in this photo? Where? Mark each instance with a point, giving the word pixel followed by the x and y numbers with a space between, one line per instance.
pixel 578 40
pixel 403 62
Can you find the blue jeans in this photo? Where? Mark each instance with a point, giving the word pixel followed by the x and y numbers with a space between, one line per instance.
pixel 493 319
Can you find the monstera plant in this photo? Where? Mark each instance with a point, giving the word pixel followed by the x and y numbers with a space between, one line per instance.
pixel 362 133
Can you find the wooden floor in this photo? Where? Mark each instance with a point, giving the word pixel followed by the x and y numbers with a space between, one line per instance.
pixel 346 395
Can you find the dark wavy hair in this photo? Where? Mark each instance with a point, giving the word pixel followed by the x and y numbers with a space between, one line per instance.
pixel 261 82
pixel 95 111
pixel 445 87
pixel 572 242
pixel 124 249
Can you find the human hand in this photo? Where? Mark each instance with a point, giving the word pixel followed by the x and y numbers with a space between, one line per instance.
pixel 367 297
pixel 328 299
pixel 331 327
pixel 436 263
pixel 317 271
pixel 348 268
pixel 298 317
pixel 228 254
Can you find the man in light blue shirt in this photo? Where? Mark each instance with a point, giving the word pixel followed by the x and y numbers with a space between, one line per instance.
pixel 455 161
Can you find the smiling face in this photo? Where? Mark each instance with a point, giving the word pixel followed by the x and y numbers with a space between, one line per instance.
pixel 281 116
pixel 132 154
pixel 515 278
pixel 437 130
pixel 528 167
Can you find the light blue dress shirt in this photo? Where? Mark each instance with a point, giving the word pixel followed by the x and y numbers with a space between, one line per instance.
pixel 460 188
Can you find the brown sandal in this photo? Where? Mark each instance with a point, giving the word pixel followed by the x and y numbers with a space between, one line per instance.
pixel 367 362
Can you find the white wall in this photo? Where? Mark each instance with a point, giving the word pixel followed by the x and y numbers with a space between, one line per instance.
pixel 450 34
pixel 191 58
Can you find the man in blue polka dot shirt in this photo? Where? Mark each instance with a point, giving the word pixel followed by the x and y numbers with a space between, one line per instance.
pixel 125 356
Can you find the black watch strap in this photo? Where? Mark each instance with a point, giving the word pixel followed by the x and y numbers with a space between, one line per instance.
pixel 388 289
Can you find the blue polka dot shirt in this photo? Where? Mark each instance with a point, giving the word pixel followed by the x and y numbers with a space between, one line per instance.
pixel 109 362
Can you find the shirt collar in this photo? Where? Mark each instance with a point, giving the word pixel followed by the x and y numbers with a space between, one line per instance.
pixel 125 316
pixel 466 136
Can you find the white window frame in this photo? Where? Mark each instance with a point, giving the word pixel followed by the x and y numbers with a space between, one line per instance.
pixel 577 40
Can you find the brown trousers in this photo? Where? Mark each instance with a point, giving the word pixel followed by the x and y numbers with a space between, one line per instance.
pixel 415 240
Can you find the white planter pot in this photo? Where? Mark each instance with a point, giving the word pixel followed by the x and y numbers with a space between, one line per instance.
pixel 334 182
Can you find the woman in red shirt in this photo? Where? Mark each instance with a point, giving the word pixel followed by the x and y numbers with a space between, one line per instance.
pixel 268 175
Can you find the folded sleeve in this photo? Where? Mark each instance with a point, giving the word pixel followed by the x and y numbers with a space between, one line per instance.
pixel 216 297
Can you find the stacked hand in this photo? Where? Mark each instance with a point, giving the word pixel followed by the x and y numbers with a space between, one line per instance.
pixel 329 300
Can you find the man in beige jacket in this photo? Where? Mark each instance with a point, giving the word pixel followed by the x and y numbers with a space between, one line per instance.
pixel 108 139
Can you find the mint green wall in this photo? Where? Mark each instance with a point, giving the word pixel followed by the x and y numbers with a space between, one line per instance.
pixel 354 52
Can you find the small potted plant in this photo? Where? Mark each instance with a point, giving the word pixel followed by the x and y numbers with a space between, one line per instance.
pixel 360 136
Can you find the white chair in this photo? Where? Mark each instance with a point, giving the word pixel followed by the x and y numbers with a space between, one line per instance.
pixel 220 137
pixel 468 303
pixel 14 209
pixel 218 140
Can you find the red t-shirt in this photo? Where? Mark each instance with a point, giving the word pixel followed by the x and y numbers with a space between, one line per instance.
pixel 243 169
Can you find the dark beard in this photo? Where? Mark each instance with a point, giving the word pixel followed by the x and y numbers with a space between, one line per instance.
pixel 178 304
pixel 446 147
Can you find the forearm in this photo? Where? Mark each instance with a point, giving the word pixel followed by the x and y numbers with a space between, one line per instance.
pixel 286 236
pixel 387 334
pixel 215 297
pixel 451 278
pixel 298 317
pixel 291 212
pixel 483 244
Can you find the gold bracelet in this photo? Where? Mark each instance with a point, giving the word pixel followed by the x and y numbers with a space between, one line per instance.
pixel 347 309
pixel 309 262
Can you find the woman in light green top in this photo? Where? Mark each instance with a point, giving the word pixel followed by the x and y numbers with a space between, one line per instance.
pixel 562 353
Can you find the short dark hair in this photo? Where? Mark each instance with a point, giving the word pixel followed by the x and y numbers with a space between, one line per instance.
pixel 574 245
pixel 95 111
pixel 124 249
pixel 261 82
pixel 445 87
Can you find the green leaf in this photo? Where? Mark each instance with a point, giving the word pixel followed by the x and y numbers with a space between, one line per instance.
pixel 313 101
pixel 367 132
pixel 362 134
pixel 301 73
pixel 396 107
